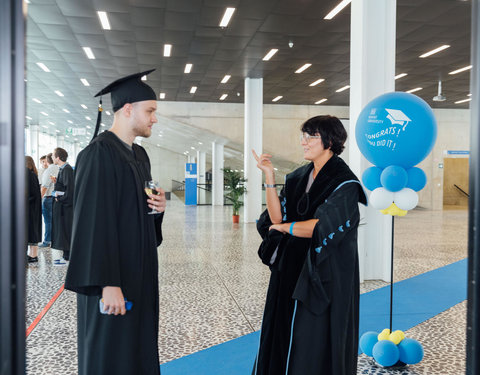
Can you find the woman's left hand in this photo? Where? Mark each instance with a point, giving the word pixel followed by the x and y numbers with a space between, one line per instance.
pixel 280 227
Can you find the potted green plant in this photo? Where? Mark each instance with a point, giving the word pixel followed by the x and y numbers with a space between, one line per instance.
pixel 234 184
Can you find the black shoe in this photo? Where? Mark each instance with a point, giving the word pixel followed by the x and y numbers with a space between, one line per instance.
pixel 32 259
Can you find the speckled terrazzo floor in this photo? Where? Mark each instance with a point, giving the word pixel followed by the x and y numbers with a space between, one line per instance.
pixel 212 289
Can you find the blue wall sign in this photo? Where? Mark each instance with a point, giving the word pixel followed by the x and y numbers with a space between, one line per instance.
pixel 190 184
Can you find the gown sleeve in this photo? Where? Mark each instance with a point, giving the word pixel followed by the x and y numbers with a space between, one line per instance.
pixel 94 259
pixel 68 182
pixel 158 228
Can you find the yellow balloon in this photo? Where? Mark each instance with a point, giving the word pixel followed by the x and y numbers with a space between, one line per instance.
pixel 394 211
pixel 396 337
pixel 384 335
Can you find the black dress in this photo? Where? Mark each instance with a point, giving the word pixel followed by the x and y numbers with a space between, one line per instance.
pixel 34 209
pixel 62 213
pixel 310 322
pixel 114 243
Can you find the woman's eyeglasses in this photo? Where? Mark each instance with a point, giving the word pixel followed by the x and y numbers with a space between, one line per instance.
pixel 307 137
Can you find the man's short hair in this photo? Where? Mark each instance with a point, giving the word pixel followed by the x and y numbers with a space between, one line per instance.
pixel 330 128
pixel 43 157
pixel 49 158
pixel 61 153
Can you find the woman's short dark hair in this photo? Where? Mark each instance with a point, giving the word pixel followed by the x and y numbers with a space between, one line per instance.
pixel 61 153
pixel 49 158
pixel 330 128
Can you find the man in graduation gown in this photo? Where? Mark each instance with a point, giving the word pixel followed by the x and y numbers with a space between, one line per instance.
pixel 115 240
pixel 310 322
pixel 62 211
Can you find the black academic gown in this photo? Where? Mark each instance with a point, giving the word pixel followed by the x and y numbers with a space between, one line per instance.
pixel 34 208
pixel 62 214
pixel 310 322
pixel 114 243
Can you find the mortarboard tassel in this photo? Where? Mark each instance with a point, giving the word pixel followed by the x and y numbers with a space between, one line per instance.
pixel 99 119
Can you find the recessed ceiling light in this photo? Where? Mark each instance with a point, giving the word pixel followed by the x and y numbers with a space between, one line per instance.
pixel 89 127
pixel 89 53
pixel 36 100
pixel 88 118
pixel 433 51
pixel 343 88
pixel 401 75
pixel 144 78
pixel 59 93
pixel 303 68
pixel 51 123
pixel 321 101
pixel 270 54
pixel 70 121
pixel 226 17
pixel 67 136
pixel 223 96
pixel 469 94
pixel 160 135
pixel 193 148
pixel 225 79
pixel 414 90
pixel 317 82
pixel 463 101
pixel 188 68
pixel 43 67
pixel 58 131
pixel 162 95
pixel 102 124
pixel 104 20
pixel 200 143
pixel 158 145
pixel 107 112
pixel 84 81
pixel 337 9
pixel 193 89
pixel 167 50
pixel 461 70
pixel 277 98
pixel 28 117
pixel 83 106
pixel 65 110
pixel 44 113
pixel 45 126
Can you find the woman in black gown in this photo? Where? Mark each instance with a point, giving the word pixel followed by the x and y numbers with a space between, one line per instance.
pixel 310 322
pixel 34 210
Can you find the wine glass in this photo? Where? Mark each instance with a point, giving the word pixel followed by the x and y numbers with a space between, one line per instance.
pixel 151 189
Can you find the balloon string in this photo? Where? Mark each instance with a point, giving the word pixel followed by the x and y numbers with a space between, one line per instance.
pixel 391 275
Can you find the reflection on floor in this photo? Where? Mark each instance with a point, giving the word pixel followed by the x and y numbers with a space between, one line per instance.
pixel 212 289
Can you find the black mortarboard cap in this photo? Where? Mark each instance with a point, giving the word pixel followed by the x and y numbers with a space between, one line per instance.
pixel 125 90
pixel 129 89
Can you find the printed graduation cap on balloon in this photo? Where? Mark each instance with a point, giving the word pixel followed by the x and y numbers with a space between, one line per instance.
pixel 129 89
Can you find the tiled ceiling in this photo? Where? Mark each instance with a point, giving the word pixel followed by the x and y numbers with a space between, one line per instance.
pixel 58 29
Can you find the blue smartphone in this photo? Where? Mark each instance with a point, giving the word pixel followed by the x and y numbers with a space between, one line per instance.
pixel 128 306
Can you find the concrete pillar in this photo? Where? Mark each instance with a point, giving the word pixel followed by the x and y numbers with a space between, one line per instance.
pixel 61 141
pixel 372 73
pixel 201 166
pixel 217 174
pixel 33 147
pixel 253 140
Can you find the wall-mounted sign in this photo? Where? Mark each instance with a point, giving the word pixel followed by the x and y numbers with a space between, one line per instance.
pixel 76 131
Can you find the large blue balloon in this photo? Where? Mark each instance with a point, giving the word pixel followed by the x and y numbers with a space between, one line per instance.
pixel 396 129
pixel 411 351
pixel 385 353
pixel 417 179
pixel 367 342
pixel 394 178
pixel 371 178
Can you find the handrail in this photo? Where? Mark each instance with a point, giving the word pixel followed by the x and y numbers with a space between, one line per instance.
pixel 461 190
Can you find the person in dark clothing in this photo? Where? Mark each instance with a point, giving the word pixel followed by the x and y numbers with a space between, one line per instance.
pixel 115 240
pixel 62 214
pixel 310 322
pixel 34 210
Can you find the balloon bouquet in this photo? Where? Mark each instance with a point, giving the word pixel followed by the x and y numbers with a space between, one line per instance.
pixel 394 132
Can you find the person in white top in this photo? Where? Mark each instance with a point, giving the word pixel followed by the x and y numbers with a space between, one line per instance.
pixel 43 167
pixel 47 185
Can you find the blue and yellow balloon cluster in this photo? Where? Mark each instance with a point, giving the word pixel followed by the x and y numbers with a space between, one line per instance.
pixel 389 349
pixel 395 132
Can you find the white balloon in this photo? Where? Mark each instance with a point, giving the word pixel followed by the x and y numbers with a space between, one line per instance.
pixel 406 199
pixel 381 198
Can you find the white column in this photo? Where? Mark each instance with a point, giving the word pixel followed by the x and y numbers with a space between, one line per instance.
pixel 33 147
pixel 372 72
pixel 253 140
pixel 217 174
pixel 201 166
pixel 61 141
